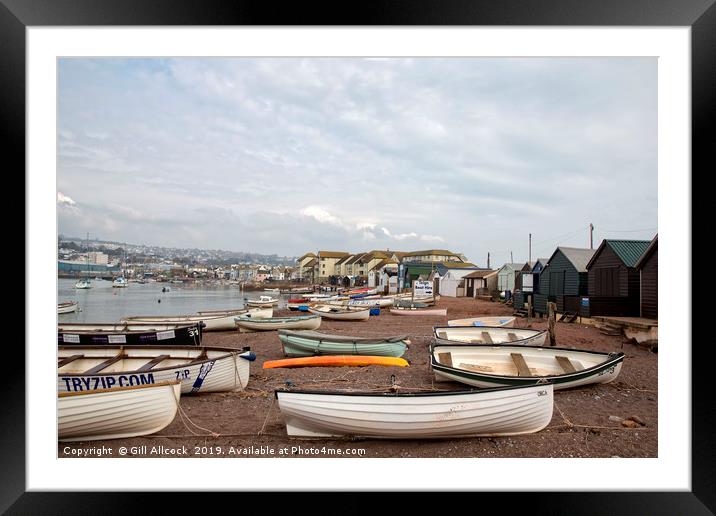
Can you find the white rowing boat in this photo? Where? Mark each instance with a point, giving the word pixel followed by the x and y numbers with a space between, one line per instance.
pixel 200 369
pixel 340 314
pixel 492 365
pixel 116 413
pixel 262 302
pixel 218 321
pixel 432 312
pixel 67 307
pixel 507 321
pixel 488 412
pixel 300 322
pixel 490 335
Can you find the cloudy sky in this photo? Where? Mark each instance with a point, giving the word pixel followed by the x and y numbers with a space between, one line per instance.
pixel 289 155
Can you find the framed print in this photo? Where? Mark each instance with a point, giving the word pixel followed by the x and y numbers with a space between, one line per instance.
pixel 405 152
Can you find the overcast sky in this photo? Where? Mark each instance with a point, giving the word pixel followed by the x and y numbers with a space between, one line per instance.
pixel 291 155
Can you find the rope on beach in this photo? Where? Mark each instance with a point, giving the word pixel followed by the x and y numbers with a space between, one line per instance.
pixel 261 432
pixel 184 418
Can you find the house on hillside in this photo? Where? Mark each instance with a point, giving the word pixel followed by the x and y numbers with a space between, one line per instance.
pixel 327 263
pixel 613 288
pixel 648 267
pixel 563 279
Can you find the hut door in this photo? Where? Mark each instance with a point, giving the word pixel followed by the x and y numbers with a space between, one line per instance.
pixel 470 287
pixel 556 279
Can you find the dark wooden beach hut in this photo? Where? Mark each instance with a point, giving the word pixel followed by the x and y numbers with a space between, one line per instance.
pixel 613 280
pixel 564 279
pixel 648 268
pixel 528 288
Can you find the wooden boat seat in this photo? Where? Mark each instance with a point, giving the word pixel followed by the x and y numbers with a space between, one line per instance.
pixel 512 337
pixel 566 364
pixel 486 337
pixel 105 364
pixel 200 357
pixel 519 361
pixel 445 359
pixel 149 365
pixel 478 368
pixel 67 360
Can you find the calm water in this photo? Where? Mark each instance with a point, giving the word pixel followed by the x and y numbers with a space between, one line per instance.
pixel 103 303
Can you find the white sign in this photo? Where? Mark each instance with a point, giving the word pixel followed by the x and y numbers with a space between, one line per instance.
pixel 117 339
pixel 422 288
pixel 164 335
pixel 70 338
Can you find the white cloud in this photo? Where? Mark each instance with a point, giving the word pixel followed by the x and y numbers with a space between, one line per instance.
pixel 321 215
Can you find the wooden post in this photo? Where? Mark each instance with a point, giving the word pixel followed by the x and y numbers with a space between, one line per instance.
pixel 552 314
pixel 529 309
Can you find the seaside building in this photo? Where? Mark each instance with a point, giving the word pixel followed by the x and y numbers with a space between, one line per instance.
pixel 648 267
pixel 326 263
pixel 564 278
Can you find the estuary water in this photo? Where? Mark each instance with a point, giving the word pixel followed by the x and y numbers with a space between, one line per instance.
pixel 104 303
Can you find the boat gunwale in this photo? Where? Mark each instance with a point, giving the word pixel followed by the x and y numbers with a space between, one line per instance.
pixel 442 340
pixel 119 389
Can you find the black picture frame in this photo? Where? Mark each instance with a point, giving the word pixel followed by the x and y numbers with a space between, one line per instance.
pixel 17 15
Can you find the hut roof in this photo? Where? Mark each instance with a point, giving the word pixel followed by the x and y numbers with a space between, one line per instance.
pixel 578 256
pixel 649 251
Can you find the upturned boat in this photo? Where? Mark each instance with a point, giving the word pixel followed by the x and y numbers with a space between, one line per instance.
pixel 248 324
pixel 309 343
pixel 117 413
pixel 482 365
pixel 507 321
pixel 490 335
pixel 478 413
pixel 336 360
pixel 130 334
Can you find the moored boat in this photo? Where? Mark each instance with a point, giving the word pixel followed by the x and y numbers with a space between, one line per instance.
pixel 483 365
pixel 119 282
pixel 221 321
pixel 489 335
pixel 336 360
pixel 341 313
pixel 256 313
pixel 507 321
pixel 298 322
pixel 67 307
pixel 309 343
pixel 487 412
pixel 262 302
pixel 130 334
pixel 206 369
pixel 83 284
pixel 118 412
pixel 432 312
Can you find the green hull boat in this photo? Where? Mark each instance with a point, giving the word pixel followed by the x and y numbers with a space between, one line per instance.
pixel 310 343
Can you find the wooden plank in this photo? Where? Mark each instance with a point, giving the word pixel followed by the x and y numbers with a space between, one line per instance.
pixel 566 364
pixel 67 360
pixel 519 361
pixel 200 357
pixel 152 363
pixel 105 364
pixel 512 337
pixel 445 359
pixel 486 337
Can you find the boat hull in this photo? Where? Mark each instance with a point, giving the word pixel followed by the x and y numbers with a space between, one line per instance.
pixel 336 361
pixel 189 335
pixel 298 344
pixel 347 315
pixel 117 413
pixel 490 412
pixel 487 366
pixel 495 335
pixel 429 312
pixel 222 321
pixel 247 325
pixel 222 370
pixel 67 308
pixel 507 321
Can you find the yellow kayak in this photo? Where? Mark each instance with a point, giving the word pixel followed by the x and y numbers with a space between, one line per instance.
pixel 336 360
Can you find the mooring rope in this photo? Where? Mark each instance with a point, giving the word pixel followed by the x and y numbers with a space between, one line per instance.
pixel 185 417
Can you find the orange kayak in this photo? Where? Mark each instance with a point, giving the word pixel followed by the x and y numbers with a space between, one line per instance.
pixel 336 360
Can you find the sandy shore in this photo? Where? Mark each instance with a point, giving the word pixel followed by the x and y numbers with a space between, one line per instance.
pixel 585 423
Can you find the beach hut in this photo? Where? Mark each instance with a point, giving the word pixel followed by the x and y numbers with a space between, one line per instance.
pixel 648 268
pixel 476 282
pixel 528 283
pixel 613 285
pixel 563 278
pixel 506 276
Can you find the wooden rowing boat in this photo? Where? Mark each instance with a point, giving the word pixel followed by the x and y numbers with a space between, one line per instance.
pixel 300 322
pixel 483 365
pixel 218 321
pixel 67 307
pixel 507 321
pixel 336 360
pixel 117 413
pixel 341 314
pixel 432 312
pixel 489 335
pixel 488 412
pixel 262 302
pixel 206 369
pixel 130 334
pixel 309 343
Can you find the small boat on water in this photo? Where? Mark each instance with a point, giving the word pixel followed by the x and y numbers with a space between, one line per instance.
pixel 341 313
pixel 299 322
pixel 118 412
pixel 262 302
pixel 83 284
pixel 272 290
pixel 220 321
pixel 507 321
pixel 206 369
pixel 67 307
pixel 483 365
pixel 309 343
pixel 447 414
pixel 490 335
pixel 119 282
pixel 336 360
pixel 431 312
pixel 130 334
